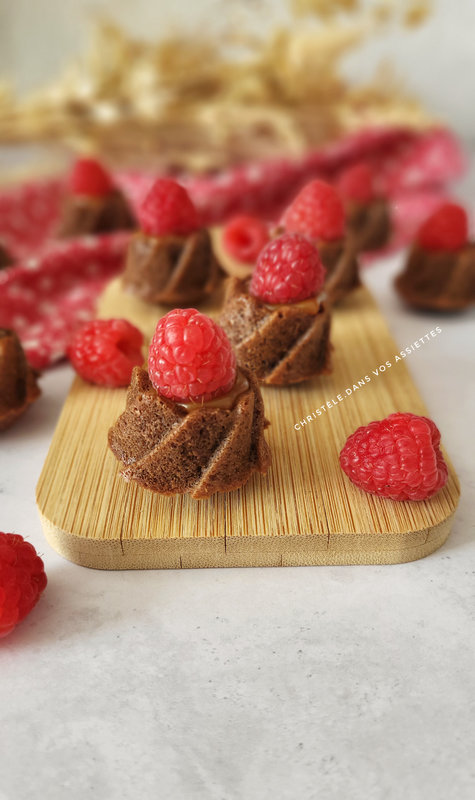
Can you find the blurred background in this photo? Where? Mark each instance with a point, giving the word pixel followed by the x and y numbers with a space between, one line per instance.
pixel 435 60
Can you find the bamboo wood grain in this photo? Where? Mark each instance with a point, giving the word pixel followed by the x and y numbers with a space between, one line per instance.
pixel 303 512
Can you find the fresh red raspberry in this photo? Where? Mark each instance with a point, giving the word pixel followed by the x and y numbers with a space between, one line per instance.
pixel 89 178
pixel 317 212
pixel 244 237
pixel 104 351
pixel 168 208
pixel 190 358
pixel 397 457
pixel 288 270
pixel 445 229
pixel 356 184
pixel 22 580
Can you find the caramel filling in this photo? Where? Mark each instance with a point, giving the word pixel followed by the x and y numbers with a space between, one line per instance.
pixel 311 306
pixel 226 400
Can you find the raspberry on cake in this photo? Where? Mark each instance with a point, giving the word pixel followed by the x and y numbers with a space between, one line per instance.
pixel 195 423
pixel 244 236
pixel 18 380
pixel 95 205
pixel 440 271
pixel 397 457
pixel 22 580
pixel 275 322
pixel 318 213
pixel 445 229
pixel 190 358
pixel 288 270
pixel 170 260
pixel 367 214
pixel 105 351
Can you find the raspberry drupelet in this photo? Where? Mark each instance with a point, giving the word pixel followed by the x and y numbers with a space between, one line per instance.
pixel 170 260
pixel 276 322
pixel 195 422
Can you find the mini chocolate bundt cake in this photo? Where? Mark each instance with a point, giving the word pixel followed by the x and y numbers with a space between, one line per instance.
pixel 440 271
pixel 341 263
pixel 318 213
pixel 171 259
pixel 172 269
pixel 367 211
pixel 281 344
pixel 94 204
pixel 18 381
pixel 442 280
pixel 369 224
pixel 175 448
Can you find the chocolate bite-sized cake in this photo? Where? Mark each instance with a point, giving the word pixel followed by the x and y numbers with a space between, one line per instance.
pixel 18 381
pixel 317 213
pixel 94 205
pixel 440 271
pixel 194 423
pixel 6 259
pixel 171 259
pixel 340 260
pixel 276 324
pixel 368 216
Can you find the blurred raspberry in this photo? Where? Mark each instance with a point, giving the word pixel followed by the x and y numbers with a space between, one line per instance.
pixel 105 351
pixel 244 237
pixel 316 212
pixel 356 184
pixel 22 580
pixel 288 270
pixel 445 229
pixel 397 457
pixel 190 357
pixel 166 209
pixel 89 178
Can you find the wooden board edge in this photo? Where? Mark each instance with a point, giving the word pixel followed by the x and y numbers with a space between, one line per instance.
pixel 196 553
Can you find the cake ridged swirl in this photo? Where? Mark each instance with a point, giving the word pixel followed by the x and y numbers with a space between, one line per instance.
pixel 169 448
pixel 280 344
pixel 438 279
pixel 172 269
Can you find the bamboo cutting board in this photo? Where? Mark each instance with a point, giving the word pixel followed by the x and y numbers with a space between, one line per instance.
pixel 303 512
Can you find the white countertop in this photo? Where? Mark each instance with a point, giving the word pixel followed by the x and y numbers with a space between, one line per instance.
pixel 298 683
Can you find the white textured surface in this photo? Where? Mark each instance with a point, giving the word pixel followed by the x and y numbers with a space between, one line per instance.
pixel 307 683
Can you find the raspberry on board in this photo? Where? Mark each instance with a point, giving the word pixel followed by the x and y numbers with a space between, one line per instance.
pixel 168 209
pixel 105 351
pixel 397 457
pixel 22 580
pixel 90 179
pixel 288 270
pixel 316 212
pixel 445 229
pixel 356 183
pixel 191 358
pixel 244 236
